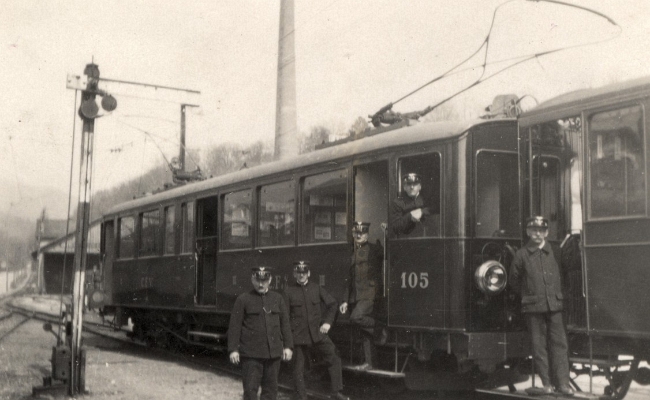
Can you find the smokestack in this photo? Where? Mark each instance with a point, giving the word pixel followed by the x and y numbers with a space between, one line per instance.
pixel 286 130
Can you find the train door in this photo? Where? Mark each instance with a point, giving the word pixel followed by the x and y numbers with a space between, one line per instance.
pixel 555 191
pixel 416 277
pixel 371 205
pixel 206 251
pixel 107 256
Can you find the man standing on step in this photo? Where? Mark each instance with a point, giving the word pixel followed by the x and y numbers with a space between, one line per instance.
pixel 364 285
pixel 535 274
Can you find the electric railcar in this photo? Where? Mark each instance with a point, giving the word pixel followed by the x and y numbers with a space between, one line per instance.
pixel 175 261
pixel 585 162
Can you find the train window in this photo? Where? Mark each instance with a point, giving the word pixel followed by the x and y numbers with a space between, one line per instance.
pixel 371 198
pixel 236 228
pixel 126 237
pixel 187 227
pixel 617 163
pixel 169 229
pixel 149 233
pixel 546 193
pixel 497 194
pixel 276 214
pixel 324 212
pixel 428 167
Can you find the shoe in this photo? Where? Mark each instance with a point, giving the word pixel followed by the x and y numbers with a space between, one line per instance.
pixel 339 396
pixel 383 337
pixel 565 390
pixel 362 367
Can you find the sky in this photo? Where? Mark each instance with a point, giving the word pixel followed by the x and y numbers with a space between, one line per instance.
pixel 352 58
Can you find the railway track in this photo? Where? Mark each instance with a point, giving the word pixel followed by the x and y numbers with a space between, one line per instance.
pixel 194 357
pixel 357 386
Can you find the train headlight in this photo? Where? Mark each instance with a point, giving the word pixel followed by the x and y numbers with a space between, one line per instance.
pixel 491 277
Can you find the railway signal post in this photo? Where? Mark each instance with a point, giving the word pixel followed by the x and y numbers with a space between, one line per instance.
pixel 68 360
pixel 87 111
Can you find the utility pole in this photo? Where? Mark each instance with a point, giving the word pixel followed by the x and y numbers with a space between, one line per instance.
pixel 181 155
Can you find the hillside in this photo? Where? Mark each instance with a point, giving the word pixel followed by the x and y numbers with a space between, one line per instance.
pixel 28 201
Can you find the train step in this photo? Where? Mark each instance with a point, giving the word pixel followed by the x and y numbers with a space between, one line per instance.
pixel 209 335
pixel 394 345
pixel 522 394
pixel 376 372
pixel 602 362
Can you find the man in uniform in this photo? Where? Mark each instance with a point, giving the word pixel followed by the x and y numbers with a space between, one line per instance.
pixel 408 211
pixel 536 276
pixel 259 336
pixel 309 327
pixel 364 285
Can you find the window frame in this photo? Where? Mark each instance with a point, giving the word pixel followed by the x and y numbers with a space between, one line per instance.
pixel 429 151
pixel 157 240
pixel 258 213
pixel 516 233
pixel 187 245
pixel 118 248
pixel 221 215
pixel 165 231
pixel 587 165
pixel 302 204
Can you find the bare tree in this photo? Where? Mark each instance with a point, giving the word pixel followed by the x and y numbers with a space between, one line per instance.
pixel 317 135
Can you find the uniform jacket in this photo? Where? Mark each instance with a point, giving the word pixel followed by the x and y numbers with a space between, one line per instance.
pixel 536 276
pixel 259 325
pixel 367 289
pixel 304 302
pixel 400 217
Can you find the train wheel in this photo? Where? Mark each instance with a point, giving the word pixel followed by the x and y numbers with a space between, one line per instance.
pixel 619 379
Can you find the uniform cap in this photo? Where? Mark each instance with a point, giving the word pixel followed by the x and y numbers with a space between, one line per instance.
pixel 359 226
pixel 301 266
pixel 411 177
pixel 262 273
pixel 537 222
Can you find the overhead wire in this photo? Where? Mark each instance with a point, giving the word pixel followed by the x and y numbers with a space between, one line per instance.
pixel 153 135
pixel 485 45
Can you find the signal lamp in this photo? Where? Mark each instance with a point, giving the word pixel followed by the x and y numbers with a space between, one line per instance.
pixel 109 103
pixel 491 277
pixel 89 108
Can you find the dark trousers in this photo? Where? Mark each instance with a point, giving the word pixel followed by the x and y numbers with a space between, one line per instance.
pixel 549 340
pixel 361 317
pixel 260 371
pixel 328 352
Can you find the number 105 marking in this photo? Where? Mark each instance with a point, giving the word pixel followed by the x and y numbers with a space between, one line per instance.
pixel 414 281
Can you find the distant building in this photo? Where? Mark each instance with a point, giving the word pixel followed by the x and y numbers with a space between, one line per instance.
pixel 55 254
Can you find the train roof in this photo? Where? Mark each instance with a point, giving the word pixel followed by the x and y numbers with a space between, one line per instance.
pixel 572 103
pixel 420 132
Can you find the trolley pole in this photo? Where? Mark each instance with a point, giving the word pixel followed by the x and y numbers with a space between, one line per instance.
pixel 87 111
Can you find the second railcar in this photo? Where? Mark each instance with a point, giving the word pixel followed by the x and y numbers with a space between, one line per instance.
pixel 585 163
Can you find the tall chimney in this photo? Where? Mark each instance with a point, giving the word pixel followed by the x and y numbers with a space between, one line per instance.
pixel 286 130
